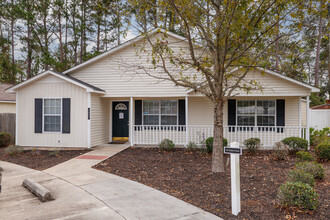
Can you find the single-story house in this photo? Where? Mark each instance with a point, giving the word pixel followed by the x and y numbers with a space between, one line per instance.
pixel 101 101
pixel 7 100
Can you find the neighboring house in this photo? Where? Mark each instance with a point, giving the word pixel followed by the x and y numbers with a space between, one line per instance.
pixel 101 101
pixel 320 115
pixel 7 100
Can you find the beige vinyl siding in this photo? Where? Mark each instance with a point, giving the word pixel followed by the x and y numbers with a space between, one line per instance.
pixel 201 110
pixel 100 120
pixel 52 87
pixel 7 107
pixel 119 76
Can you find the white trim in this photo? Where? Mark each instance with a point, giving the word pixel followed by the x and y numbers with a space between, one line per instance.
pixel 43 116
pixel 160 111
pixel 299 115
pixel 124 45
pixel 49 72
pixel 187 124
pixel 308 113
pixel 16 128
pixel 130 135
pixel 89 120
pixel 111 115
pixel 9 102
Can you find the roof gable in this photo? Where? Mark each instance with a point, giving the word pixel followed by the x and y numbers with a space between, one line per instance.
pixel 70 79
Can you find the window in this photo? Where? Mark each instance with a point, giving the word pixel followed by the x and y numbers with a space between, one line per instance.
pixel 160 112
pixel 256 112
pixel 52 115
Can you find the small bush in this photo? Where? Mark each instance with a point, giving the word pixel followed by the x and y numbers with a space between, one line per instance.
pixel 252 144
pixel 319 136
pixel 5 139
pixel 297 194
pixel 280 151
pixel 192 146
pixel 304 156
pixel 315 169
pixel 209 143
pixel 54 153
pixel 323 151
pixel 14 150
pixel 298 176
pixel 295 143
pixel 166 144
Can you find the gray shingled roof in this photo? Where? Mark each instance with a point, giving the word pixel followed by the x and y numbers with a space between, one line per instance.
pixel 4 96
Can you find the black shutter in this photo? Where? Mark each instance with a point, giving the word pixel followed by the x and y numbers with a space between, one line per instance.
pixel 66 109
pixel 37 115
pixel 182 112
pixel 232 113
pixel 280 114
pixel 138 112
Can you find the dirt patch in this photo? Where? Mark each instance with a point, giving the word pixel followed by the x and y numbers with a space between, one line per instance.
pixel 40 159
pixel 187 176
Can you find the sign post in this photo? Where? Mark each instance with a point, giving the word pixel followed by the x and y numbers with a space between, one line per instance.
pixel 234 152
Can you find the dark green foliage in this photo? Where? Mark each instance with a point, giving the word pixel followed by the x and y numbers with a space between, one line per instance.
pixel 297 194
pixel 313 168
pixel 167 145
pixel 209 143
pixel 252 144
pixel 299 176
pixel 304 156
pixel 319 136
pixel 5 139
pixel 14 150
pixel 295 143
pixel 323 151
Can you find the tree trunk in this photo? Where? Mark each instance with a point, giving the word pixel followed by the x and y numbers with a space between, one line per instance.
pixel 12 44
pixel 318 50
pixel 217 155
pixel 60 30
pixel 66 36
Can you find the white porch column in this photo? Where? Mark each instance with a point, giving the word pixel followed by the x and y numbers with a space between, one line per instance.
pixel 131 136
pixel 307 121
pixel 299 117
pixel 187 124
pixel 89 119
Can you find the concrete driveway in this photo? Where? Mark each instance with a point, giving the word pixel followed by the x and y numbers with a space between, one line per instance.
pixel 85 193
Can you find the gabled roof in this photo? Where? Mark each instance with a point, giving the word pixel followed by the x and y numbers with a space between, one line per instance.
pixel 323 106
pixel 6 97
pixel 70 79
pixel 271 72
pixel 124 45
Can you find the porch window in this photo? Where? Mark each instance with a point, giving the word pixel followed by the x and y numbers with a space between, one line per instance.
pixel 52 115
pixel 160 112
pixel 256 112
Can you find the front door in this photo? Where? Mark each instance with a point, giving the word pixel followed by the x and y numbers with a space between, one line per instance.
pixel 120 121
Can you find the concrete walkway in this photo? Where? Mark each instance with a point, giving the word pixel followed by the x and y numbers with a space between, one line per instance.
pixel 103 195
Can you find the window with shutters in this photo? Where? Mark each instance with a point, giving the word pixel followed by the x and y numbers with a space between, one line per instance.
pixel 160 112
pixel 52 115
pixel 256 112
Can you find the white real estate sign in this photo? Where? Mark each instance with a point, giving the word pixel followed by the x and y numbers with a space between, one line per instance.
pixel 234 152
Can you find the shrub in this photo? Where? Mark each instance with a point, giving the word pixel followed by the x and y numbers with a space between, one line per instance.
pixel 166 144
pixel 14 150
pixel 319 136
pixel 209 143
pixel 192 146
pixel 281 151
pixel 252 144
pixel 55 152
pixel 5 139
pixel 323 151
pixel 304 156
pixel 297 194
pixel 295 143
pixel 315 169
pixel 298 176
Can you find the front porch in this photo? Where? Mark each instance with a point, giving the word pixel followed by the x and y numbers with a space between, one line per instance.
pixel 182 135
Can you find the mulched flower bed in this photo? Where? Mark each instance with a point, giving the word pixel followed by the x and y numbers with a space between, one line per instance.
pixel 187 176
pixel 40 159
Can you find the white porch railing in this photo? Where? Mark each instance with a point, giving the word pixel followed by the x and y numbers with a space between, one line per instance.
pixel 153 134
